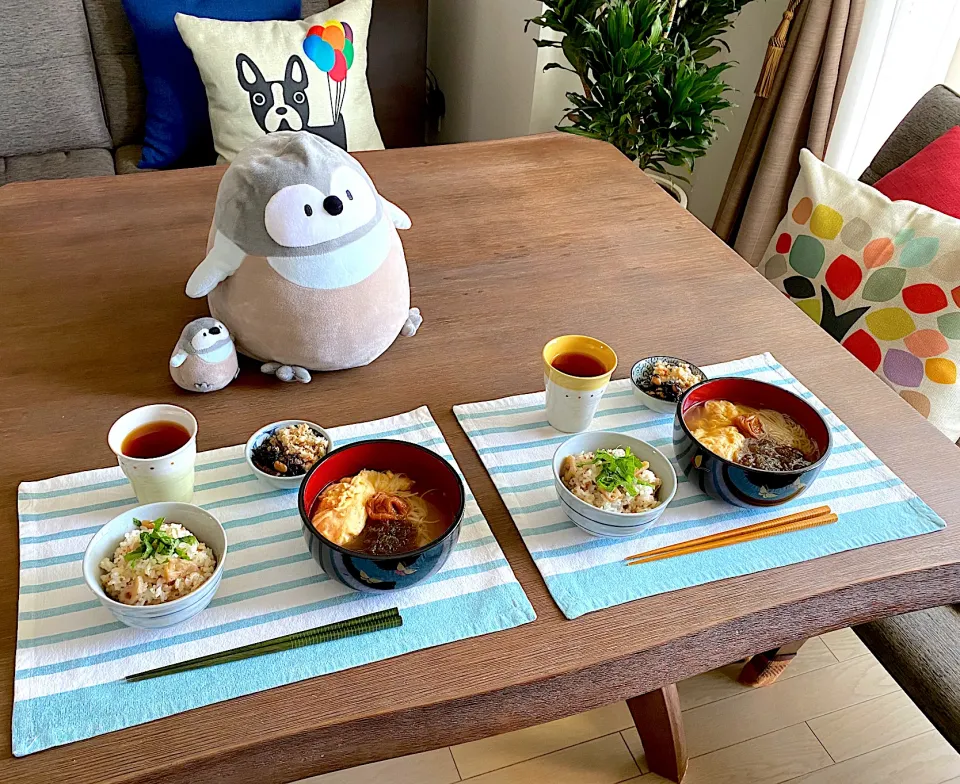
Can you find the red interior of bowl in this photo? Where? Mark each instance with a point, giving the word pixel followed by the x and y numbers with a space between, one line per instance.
pixel 426 468
pixel 759 394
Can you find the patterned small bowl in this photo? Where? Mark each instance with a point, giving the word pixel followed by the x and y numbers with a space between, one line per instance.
pixel 614 524
pixel 383 573
pixel 643 370
pixel 272 481
pixel 727 481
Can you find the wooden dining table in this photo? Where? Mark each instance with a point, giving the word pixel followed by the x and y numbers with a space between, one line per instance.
pixel 513 242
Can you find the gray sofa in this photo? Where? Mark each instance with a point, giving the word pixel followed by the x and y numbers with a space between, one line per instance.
pixel 72 97
pixel 921 650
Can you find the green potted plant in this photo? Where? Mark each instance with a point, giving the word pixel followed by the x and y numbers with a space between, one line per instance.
pixel 650 85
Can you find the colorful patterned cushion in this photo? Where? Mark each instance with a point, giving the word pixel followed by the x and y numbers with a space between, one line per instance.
pixel 881 277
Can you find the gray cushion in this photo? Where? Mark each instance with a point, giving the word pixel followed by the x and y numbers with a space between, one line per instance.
pixel 49 94
pixel 920 651
pixel 934 114
pixel 310 7
pixel 56 165
pixel 121 83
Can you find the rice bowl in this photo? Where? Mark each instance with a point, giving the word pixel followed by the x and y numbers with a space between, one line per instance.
pixel 105 543
pixel 139 574
pixel 594 519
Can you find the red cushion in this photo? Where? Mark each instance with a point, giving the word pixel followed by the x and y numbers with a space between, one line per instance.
pixel 931 177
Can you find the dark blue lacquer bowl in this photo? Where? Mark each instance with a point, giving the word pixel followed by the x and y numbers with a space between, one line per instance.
pixel 727 481
pixel 373 573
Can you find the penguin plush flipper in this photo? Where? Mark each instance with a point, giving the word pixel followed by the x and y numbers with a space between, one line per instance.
pixel 178 358
pixel 221 262
pixel 400 219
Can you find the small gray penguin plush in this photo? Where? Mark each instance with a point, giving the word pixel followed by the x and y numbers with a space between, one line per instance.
pixel 205 358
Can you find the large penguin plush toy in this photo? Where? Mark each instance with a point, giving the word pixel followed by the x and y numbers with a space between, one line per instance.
pixel 304 263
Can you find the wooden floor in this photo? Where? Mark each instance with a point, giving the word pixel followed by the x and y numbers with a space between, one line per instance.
pixel 835 717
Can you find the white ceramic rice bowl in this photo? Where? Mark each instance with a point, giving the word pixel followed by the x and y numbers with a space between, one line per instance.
pixel 198 521
pixel 614 524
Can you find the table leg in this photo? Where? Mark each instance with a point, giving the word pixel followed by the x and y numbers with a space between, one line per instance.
pixel 658 720
pixel 764 668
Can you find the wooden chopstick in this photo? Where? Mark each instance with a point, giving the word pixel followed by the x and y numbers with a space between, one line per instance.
pixel 697 546
pixel 373 622
pixel 737 532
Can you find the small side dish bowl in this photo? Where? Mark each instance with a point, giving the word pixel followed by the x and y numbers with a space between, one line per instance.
pixel 384 573
pixel 641 374
pixel 615 524
pixel 198 521
pixel 727 481
pixel 273 481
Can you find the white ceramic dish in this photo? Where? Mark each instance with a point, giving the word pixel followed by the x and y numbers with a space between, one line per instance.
pixel 279 482
pixel 645 366
pixel 198 521
pixel 616 524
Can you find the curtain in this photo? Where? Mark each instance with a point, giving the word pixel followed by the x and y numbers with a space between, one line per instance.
pixel 906 47
pixel 800 112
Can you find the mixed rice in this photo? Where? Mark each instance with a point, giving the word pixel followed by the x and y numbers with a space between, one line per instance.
pixel 156 562
pixel 614 480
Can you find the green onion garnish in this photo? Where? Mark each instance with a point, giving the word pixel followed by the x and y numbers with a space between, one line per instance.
pixel 619 472
pixel 156 543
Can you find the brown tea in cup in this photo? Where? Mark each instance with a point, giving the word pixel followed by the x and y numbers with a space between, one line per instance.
pixel 154 439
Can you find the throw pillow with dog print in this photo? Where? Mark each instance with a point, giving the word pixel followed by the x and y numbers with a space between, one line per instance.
pixel 263 77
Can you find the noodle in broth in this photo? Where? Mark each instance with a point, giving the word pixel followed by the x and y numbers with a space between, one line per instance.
pixel 378 513
pixel 754 437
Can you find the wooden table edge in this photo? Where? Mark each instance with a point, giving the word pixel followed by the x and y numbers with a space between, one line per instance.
pixel 325 748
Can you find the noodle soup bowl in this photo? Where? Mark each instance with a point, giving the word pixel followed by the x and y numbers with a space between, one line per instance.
pixel 384 573
pixel 731 482
pixel 600 522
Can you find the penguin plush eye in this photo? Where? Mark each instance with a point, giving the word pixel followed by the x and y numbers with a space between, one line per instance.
pixel 259 99
pixel 290 218
pixel 349 196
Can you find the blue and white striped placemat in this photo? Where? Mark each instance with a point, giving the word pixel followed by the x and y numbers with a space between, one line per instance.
pixel 584 574
pixel 72 654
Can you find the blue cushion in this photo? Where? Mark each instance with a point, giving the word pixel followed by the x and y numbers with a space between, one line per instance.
pixel 178 126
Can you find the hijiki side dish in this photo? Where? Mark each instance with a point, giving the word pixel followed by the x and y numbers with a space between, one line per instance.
pixel 290 450
pixel 614 480
pixel 668 380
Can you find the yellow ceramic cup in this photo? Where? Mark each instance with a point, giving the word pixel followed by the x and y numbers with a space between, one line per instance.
pixel 572 400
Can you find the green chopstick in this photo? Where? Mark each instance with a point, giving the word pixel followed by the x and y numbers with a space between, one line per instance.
pixel 374 622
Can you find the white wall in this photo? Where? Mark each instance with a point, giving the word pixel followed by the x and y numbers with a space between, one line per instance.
pixel 953 73
pixel 492 76
pixel 486 66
